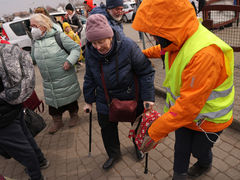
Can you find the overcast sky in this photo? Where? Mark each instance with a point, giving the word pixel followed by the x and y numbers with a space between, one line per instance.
pixel 11 6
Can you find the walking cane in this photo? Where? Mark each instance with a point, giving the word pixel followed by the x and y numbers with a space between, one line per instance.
pixel 146 156
pixel 146 164
pixel 90 131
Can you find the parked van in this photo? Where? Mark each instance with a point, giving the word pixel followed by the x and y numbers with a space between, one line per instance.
pixel 128 8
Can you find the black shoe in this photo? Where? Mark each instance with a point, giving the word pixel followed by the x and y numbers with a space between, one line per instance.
pixel 140 155
pixel 196 170
pixel 44 164
pixel 109 163
pixel 177 176
pixel 42 178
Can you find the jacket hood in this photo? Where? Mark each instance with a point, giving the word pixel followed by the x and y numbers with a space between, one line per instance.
pixel 55 28
pixel 90 3
pixel 174 20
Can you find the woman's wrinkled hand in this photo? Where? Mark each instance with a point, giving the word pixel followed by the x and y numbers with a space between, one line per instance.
pixel 87 108
pixel 66 66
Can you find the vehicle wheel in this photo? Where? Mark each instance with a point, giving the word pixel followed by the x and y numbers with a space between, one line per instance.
pixel 125 19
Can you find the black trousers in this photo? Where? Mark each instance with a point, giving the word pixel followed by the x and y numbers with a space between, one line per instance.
pixel 109 131
pixel 72 108
pixel 189 142
pixel 17 142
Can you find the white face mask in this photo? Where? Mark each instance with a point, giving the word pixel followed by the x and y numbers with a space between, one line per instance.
pixel 36 33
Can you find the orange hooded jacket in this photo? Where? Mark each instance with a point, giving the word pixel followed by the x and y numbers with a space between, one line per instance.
pixel 177 23
pixel 90 4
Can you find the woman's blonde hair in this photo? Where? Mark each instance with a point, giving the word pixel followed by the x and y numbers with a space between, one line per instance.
pixel 42 20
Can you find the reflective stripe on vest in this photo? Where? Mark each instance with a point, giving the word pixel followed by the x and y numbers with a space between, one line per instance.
pixel 218 107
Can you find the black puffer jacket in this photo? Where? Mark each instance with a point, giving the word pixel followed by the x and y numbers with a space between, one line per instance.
pixel 8 113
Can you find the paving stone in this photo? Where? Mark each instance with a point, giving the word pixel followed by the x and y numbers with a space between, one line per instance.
pixel 162 175
pixel 156 155
pixel 219 153
pixel 82 171
pixel 153 166
pixel 213 172
pixel 165 164
pixel 235 152
pixel 233 173
pixel 226 147
pixel 228 139
pixel 130 159
pixel 61 178
pixel 220 164
pixel 168 153
pixel 96 172
pixel 114 178
pixel 120 165
pixel 127 173
pixel 232 161
pixel 221 176
pixel 72 177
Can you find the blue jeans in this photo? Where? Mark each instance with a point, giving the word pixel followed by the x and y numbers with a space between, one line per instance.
pixel 17 142
pixel 189 142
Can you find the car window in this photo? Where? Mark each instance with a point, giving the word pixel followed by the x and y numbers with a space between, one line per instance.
pixel 132 5
pixel 27 24
pixel 125 6
pixel 18 28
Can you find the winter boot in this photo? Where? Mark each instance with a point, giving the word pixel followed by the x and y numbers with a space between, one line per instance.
pixel 57 124
pixel 73 119
pixel 197 170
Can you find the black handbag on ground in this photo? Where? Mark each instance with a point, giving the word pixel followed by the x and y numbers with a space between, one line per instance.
pixel 34 121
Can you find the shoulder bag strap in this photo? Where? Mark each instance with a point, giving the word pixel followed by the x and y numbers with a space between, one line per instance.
pixel 104 85
pixel 59 42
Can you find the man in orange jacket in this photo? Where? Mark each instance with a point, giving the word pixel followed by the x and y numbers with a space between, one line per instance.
pixel 199 82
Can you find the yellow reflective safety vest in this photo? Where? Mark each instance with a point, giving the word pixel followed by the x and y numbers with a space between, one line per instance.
pixel 219 106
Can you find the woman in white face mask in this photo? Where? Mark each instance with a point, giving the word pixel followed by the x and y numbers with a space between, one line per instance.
pixel 56 65
pixel 37 32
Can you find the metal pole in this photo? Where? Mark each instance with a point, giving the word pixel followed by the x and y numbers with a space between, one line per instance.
pixel 90 132
pixel 146 164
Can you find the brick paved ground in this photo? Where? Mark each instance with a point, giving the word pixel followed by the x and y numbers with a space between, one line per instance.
pixel 67 150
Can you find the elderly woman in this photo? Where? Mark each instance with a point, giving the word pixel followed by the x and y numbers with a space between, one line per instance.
pixel 120 60
pixel 60 83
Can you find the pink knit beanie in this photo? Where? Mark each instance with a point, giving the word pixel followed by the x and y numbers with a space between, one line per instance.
pixel 98 28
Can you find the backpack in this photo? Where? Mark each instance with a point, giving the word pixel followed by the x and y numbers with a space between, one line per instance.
pixel 17 73
pixel 140 128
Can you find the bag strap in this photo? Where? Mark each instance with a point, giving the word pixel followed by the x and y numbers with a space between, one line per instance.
pixel 41 111
pixel 104 85
pixel 105 88
pixel 59 42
